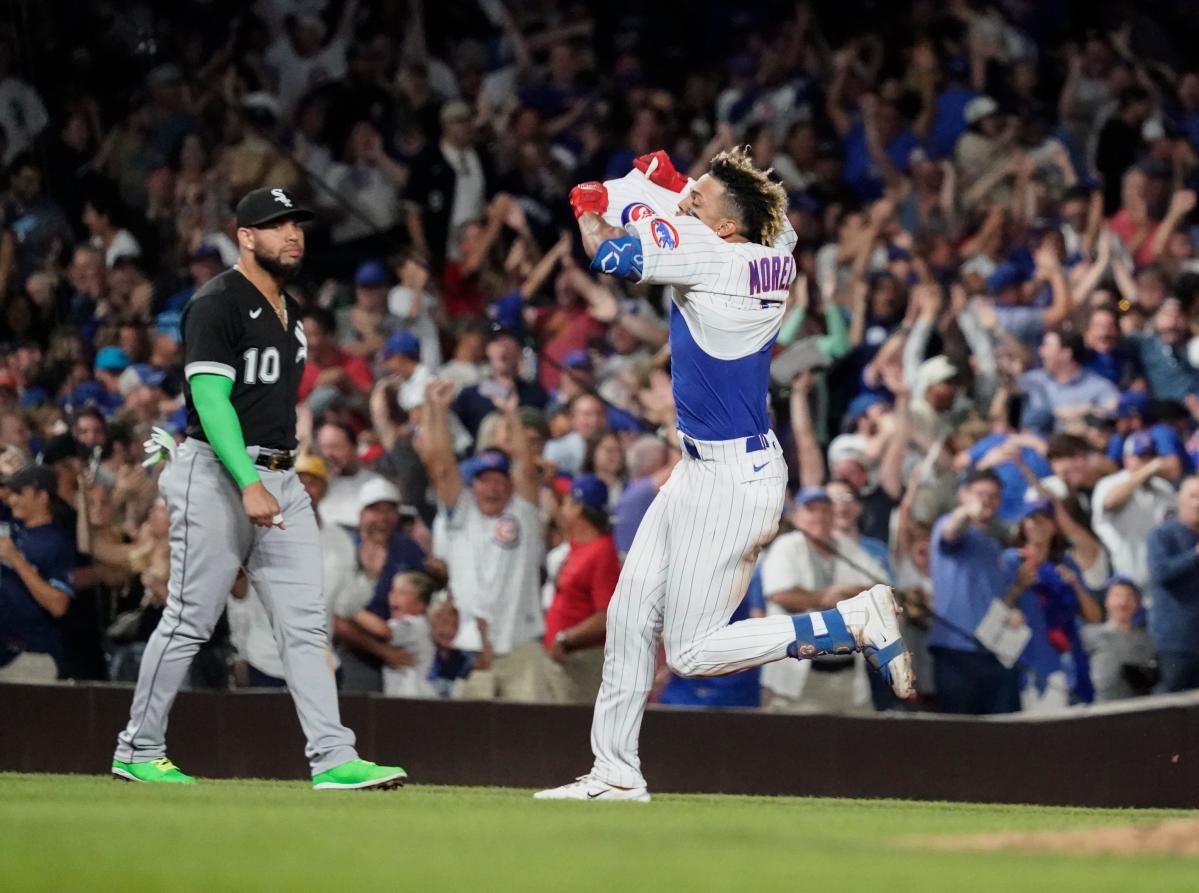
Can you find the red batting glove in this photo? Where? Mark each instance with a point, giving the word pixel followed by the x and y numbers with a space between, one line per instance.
pixel 591 196
pixel 659 169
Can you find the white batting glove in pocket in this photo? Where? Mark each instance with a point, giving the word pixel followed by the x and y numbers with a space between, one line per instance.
pixel 160 446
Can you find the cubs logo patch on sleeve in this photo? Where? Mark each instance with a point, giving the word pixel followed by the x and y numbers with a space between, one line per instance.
pixel 664 234
pixel 635 211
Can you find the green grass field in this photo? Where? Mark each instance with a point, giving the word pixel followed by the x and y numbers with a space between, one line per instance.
pixel 85 833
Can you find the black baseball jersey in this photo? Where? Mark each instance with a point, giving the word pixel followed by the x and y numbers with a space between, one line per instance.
pixel 231 329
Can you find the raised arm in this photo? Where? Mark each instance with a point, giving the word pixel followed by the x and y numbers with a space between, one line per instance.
pixel 1050 268
pixel 1119 494
pixel 890 472
pixel 595 231
pixel 1181 204
pixel 811 459
pixel 604 306
pixel 524 465
pixel 49 596
pixel 437 445
pixel 542 269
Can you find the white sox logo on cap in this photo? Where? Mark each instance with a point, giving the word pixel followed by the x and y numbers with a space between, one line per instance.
pixel 281 197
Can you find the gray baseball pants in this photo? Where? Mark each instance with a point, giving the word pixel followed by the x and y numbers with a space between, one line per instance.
pixel 211 538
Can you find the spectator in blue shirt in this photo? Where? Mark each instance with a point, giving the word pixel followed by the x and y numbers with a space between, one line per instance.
pixel 1135 412
pixel 475 403
pixel 1163 355
pixel 1062 387
pixel 879 142
pixel 38 561
pixel 1052 602
pixel 1173 548
pixel 741 689
pixel 1106 356
pixel 649 466
pixel 997 453
pixel 967 577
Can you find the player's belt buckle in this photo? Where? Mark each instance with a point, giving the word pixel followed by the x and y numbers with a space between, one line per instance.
pixel 276 461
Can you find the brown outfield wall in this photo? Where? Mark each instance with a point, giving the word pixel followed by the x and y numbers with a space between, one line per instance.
pixel 1145 754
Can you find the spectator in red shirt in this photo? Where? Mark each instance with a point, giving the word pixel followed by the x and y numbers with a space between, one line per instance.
pixel 328 370
pixel 575 622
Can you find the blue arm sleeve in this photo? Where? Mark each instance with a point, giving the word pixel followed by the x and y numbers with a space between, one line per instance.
pixel 619 257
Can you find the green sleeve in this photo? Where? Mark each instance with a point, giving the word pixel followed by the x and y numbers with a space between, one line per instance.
pixel 791 326
pixel 836 343
pixel 210 397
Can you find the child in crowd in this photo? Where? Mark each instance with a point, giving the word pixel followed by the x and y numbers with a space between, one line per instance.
pixel 1122 654
pixel 408 628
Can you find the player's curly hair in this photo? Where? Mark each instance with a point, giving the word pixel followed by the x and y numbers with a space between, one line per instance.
pixel 759 201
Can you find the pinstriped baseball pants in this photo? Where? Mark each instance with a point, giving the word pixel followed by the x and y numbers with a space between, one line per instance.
pixel 686 573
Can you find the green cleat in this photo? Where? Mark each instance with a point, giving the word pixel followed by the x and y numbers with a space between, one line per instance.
pixel 160 771
pixel 359 774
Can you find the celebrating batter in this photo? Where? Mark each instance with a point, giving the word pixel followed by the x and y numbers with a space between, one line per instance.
pixel 235 502
pixel 694 553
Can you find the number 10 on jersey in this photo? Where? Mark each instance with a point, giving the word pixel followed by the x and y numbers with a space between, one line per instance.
pixel 264 368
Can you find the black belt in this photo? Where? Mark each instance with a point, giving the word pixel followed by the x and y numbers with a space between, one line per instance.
pixel 275 460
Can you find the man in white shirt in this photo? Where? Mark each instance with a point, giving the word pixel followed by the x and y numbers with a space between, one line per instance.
pixel 1127 504
pixel 98 213
pixel 401 361
pixel 801 573
pixel 470 196
pixel 492 538
pixel 336 446
pixel 300 58
pixel 415 306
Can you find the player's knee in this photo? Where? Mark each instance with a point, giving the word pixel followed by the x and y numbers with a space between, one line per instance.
pixel 682 662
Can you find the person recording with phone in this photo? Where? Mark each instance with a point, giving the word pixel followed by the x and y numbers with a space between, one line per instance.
pixel 37 562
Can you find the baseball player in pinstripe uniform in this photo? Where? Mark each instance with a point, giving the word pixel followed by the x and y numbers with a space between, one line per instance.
pixel 696 548
pixel 235 501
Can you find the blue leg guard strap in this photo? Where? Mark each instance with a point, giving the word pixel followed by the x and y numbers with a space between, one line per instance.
pixel 879 658
pixel 822 632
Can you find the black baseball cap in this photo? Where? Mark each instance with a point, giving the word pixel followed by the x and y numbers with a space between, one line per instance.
pixel 62 446
pixel 270 205
pixel 37 476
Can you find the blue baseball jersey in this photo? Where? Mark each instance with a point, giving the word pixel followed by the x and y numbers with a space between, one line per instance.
pixel 727 307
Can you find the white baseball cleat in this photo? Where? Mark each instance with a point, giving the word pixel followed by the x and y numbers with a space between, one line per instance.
pixel 587 788
pixel 872 618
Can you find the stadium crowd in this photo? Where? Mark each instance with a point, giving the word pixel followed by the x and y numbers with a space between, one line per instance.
pixel 991 355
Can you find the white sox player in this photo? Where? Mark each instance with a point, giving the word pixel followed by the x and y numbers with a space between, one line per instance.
pixel 692 557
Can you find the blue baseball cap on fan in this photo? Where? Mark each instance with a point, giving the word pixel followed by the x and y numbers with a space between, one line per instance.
pixel 808 495
pixel 371 274
pixel 402 343
pixel 112 359
pixel 577 359
pixel 488 460
pixel 590 491
pixel 1140 443
pixel 1132 403
pixel 1036 507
